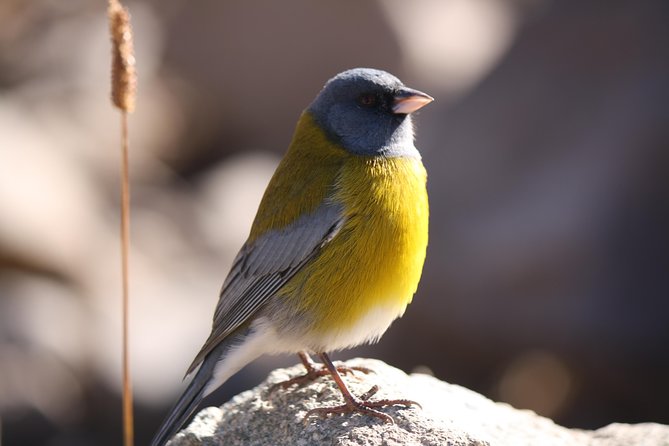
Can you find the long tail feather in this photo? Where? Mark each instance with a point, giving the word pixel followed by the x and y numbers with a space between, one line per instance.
pixel 186 404
pixel 196 391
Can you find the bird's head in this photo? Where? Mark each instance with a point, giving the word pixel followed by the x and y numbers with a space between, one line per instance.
pixel 367 111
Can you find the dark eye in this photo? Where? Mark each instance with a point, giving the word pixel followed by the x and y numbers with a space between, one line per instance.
pixel 367 100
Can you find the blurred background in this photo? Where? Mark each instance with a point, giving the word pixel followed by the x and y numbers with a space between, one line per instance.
pixel 547 278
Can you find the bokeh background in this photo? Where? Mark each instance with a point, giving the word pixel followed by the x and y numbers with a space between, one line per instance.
pixel 547 278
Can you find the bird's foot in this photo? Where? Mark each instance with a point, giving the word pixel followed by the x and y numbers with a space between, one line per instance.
pixel 362 406
pixel 314 372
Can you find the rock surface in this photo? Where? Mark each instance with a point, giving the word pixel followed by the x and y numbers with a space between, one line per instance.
pixel 450 415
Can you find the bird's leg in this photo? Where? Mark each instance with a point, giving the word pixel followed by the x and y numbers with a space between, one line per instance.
pixel 314 371
pixel 353 404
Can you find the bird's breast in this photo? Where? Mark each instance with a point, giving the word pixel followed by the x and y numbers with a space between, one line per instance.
pixel 365 277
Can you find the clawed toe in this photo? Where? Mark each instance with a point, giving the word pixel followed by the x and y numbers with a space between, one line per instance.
pixel 350 369
pixel 361 406
pixel 311 376
pixel 315 371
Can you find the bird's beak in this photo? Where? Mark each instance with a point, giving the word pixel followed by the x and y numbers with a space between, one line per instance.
pixel 408 101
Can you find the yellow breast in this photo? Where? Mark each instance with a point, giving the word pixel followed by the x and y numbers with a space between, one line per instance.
pixel 365 277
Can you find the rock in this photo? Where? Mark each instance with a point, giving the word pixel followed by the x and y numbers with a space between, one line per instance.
pixel 450 415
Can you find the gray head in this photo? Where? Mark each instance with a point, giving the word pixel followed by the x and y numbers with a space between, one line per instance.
pixel 368 111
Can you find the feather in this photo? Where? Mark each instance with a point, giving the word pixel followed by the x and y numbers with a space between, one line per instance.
pixel 256 274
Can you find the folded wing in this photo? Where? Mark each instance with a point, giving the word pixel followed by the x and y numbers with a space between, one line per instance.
pixel 261 268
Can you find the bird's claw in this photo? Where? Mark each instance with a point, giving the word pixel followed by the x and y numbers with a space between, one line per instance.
pixel 362 406
pixel 316 372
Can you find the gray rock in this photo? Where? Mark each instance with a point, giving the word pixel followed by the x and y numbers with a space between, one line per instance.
pixel 450 415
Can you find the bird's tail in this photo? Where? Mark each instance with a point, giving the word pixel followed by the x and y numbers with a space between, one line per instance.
pixel 194 393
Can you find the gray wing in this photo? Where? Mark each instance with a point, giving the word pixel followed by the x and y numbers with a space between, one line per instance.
pixel 261 268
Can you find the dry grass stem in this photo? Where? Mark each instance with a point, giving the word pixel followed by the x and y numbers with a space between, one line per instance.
pixel 124 85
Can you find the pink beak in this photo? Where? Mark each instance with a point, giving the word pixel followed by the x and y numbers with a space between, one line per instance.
pixel 408 101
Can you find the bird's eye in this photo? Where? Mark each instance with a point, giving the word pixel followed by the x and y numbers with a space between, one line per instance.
pixel 367 100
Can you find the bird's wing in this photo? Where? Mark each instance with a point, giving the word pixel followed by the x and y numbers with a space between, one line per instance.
pixel 262 267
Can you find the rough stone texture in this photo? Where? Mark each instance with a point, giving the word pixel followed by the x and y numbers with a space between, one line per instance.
pixel 450 415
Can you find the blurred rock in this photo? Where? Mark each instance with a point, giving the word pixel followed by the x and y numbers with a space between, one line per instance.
pixel 459 40
pixel 450 415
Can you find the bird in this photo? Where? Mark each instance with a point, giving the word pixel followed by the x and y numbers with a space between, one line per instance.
pixel 336 250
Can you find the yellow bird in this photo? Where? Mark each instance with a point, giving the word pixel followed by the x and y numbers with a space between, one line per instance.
pixel 337 247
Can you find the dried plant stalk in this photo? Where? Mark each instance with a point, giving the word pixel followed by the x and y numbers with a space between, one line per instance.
pixel 124 78
pixel 128 430
pixel 124 85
